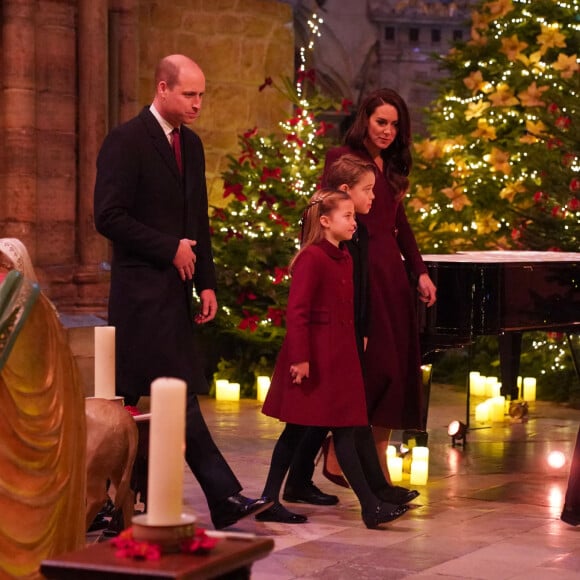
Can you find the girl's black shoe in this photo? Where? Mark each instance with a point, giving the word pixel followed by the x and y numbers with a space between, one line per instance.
pixel 396 494
pixel 383 514
pixel 278 513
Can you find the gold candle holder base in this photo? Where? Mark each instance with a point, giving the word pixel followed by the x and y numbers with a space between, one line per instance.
pixel 168 536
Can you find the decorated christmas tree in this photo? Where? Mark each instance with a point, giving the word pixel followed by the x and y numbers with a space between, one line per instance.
pixel 501 166
pixel 500 169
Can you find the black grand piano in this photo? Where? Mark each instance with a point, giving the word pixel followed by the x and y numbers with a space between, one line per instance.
pixel 503 293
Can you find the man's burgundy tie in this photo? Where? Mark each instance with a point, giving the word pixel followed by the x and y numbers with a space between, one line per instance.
pixel 176 144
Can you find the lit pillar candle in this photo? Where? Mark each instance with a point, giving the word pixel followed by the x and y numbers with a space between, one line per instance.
pixel 420 453
pixel 482 412
pixel 497 409
pixel 490 382
pixel 391 451
pixel 419 472
pixel 519 384
pixel 395 466
pixel 226 391
pixel 166 452
pixel 529 389
pixel 221 386
pixel 474 382
pixel 105 362
pixel 478 389
pixel 263 386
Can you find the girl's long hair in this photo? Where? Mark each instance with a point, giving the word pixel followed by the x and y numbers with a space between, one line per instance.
pixel 397 157
pixel 348 169
pixel 323 202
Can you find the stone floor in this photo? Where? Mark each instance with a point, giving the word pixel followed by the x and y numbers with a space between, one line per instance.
pixel 489 511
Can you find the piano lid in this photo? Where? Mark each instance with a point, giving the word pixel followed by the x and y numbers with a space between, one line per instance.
pixel 494 292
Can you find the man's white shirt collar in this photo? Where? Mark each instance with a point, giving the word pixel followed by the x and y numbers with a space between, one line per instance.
pixel 167 127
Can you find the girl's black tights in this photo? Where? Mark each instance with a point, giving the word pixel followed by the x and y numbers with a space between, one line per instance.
pixel 346 453
pixel 350 463
pixel 282 457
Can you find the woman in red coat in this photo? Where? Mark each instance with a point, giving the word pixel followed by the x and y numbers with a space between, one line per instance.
pixel 381 133
pixel 318 380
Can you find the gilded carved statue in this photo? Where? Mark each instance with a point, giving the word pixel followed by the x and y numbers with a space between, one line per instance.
pixel 42 432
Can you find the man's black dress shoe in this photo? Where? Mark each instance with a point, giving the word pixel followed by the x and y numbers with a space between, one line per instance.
pixel 570 517
pixel 236 507
pixel 383 513
pixel 278 513
pixel 309 494
pixel 396 494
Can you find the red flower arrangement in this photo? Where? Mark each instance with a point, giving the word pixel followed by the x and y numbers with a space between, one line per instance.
pixel 127 547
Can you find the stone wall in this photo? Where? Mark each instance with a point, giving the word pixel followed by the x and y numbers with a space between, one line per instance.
pixel 238 43
pixel 71 69
pixel 38 128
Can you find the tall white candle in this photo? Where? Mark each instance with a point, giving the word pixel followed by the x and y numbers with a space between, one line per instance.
pixel 105 362
pixel 166 452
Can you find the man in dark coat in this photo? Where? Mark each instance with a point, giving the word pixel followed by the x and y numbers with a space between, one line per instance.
pixel 151 202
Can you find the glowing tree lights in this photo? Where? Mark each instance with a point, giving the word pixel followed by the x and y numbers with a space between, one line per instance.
pixel 501 168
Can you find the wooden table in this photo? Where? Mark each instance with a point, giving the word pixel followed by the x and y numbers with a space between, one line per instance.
pixel 230 558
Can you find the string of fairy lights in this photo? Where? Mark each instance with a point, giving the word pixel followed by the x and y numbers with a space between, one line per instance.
pixel 304 128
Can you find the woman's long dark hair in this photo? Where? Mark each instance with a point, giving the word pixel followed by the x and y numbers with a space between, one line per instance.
pixel 397 157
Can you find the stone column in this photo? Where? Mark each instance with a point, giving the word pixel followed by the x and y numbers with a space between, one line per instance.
pixel 18 164
pixel 93 126
pixel 128 50
pixel 108 69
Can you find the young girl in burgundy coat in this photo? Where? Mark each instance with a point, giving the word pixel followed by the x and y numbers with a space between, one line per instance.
pixel 318 380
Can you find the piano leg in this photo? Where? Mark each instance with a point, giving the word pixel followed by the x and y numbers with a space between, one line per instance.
pixel 510 349
pixel 574 344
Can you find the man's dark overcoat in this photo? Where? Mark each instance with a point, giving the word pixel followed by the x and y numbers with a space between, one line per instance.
pixel 144 206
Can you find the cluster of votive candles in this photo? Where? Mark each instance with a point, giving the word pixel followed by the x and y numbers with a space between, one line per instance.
pixel 226 391
pixel 419 470
pixel 493 409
